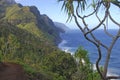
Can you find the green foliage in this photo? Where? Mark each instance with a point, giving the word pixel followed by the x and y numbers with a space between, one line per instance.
pixel 12 44
pixel 25 18
pixel 40 59
pixel 0 56
pixel 68 6
pixel 27 39
pixel 16 14
pixel 81 56
pixel 3 6
pixel 13 38
pixel 32 28
pixel 60 63
pixel 35 54
pixel 12 9
pixel 85 69
pixel 82 5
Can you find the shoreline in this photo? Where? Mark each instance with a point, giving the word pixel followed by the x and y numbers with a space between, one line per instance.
pixel 111 71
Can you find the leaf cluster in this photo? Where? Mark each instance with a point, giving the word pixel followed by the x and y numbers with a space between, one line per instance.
pixel 70 6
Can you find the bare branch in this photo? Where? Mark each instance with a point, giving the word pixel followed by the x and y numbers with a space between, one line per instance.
pixel 109 52
pixel 106 14
pixel 90 14
pixel 113 20
pixel 98 44
pixel 95 42
pixel 94 11
pixel 78 23
pixel 82 29
pixel 86 26
pixel 92 38
pixel 77 11
pixel 105 30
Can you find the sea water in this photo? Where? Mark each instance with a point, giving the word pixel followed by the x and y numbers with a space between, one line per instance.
pixel 74 39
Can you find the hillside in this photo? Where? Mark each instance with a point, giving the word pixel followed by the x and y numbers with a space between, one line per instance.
pixel 29 39
pixel 30 19
pixel 3 5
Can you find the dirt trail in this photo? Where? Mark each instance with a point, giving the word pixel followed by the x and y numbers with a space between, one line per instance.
pixel 11 71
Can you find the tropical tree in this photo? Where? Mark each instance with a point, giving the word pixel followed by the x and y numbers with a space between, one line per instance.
pixel 85 68
pixel 81 10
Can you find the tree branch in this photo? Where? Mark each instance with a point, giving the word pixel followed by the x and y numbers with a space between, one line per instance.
pixel 95 42
pixel 88 33
pixel 106 14
pixel 105 30
pixel 113 20
pixel 109 52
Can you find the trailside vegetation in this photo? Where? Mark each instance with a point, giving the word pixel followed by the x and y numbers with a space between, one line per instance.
pixel 29 39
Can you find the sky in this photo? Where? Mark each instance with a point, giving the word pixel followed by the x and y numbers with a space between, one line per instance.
pixel 53 9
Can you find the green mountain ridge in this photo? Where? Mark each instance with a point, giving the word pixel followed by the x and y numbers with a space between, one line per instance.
pixel 46 62
pixel 30 39
pixel 29 18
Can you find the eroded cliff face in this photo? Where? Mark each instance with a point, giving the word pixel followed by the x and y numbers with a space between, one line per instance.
pixel 7 2
pixel 3 5
pixel 30 19
pixel 26 30
pixel 29 39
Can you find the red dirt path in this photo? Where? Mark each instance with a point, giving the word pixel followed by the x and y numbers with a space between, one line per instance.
pixel 11 71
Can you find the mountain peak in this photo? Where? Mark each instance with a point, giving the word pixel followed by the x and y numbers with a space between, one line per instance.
pixel 2 2
pixel 11 1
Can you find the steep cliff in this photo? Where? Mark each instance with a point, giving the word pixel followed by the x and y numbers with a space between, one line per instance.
pixel 29 39
pixel 30 19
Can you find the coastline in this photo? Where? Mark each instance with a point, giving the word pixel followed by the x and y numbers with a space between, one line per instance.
pixel 63 47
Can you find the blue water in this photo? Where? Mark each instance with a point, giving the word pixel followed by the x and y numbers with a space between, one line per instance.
pixel 74 39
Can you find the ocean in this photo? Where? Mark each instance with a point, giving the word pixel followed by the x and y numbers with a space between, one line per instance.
pixel 73 39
